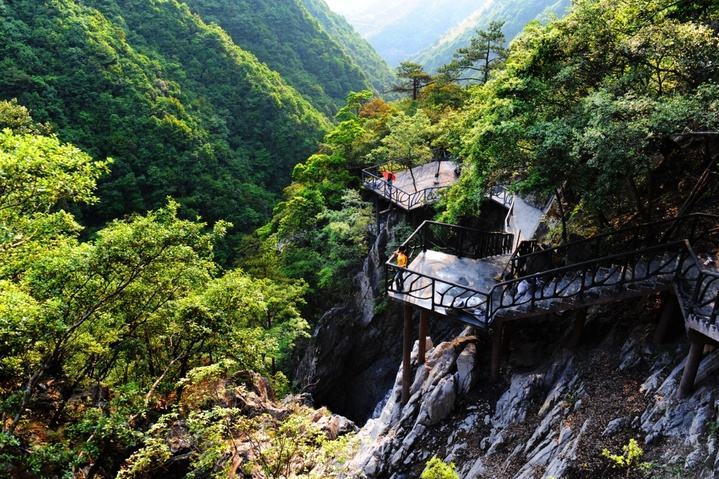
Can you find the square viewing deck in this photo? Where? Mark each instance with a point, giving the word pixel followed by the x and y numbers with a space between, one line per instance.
pixel 429 179
pixel 451 269
pixel 460 283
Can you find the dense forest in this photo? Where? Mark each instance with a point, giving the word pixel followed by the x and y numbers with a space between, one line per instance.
pixel 292 42
pixel 136 137
pixel 369 61
pixel 180 109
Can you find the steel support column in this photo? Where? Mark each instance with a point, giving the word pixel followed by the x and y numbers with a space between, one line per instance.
pixel 670 311
pixel 497 346
pixel 580 319
pixel 694 358
pixel 407 353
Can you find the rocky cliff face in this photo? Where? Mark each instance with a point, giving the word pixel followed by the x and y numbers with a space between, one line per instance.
pixel 351 360
pixel 554 410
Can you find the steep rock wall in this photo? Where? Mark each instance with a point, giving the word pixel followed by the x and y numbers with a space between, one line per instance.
pixel 350 362
pixel 554 410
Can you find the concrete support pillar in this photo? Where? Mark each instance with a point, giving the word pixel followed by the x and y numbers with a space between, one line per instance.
pixel 423 327
pixel 407 353
pixel 670 311
pixel 694 358
pixel 580 319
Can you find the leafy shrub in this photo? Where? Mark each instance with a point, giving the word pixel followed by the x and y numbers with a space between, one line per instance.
pixel 436 468
pixel 630 459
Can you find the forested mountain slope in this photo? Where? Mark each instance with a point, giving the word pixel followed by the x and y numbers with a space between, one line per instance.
pixel 181 109
pixel 514 13
pixel 400 30
pixel 373 65
pixel 289 40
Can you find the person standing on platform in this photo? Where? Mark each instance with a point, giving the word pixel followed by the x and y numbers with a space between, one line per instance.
pixel 401 260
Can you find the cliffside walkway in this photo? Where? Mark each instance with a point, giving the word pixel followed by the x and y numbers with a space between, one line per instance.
pixel 421 186
pixel 488 280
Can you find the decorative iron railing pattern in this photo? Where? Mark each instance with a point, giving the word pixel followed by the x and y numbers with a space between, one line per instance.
pixel 373 180
pixel 561 288
pixel 652 257
pixel 455 240
pixel 695 227
pixel 699 288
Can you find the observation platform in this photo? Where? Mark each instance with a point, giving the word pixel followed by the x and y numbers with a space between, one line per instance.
pixel 429 180
pixel 447 283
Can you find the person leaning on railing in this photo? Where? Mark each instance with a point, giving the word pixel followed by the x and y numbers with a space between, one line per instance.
pixel 401 260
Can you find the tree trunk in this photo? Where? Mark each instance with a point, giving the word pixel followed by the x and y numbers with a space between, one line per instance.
pixel 641 211
pixel 562 214
pixel 486 62
pixel 411 172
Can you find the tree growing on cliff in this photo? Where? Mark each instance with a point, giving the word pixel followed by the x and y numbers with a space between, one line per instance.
pixel 412 78
pixel 485 53
pixel 407 142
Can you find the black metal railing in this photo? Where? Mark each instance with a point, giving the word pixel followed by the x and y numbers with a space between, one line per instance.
pixel 699 288
pixel 563 287
pixel 502 195
pixel 658 261
pixel 697 228
pixel 464 242
pixel 373 180
pixel 434 292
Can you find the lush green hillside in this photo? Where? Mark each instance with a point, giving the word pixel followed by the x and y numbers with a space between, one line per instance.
pixel 181 109
pixel 93 334
pixel 134 353
pixel 514 13
pixel 283 35
pixel 354 45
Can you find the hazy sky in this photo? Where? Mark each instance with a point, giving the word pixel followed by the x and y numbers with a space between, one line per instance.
pixel 370 16
pixel 353 8
pixel 349 6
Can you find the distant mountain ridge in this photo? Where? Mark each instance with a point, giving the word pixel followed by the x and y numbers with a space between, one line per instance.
pixel 289 39
pixel 400 30
pixel 429 31
pixel 515 13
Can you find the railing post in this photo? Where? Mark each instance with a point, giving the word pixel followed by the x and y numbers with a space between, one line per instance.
pixel 496 357
pixel 697 288
pixel 433 291
pixel 694 358
pixel 425 227
pixel 670 310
